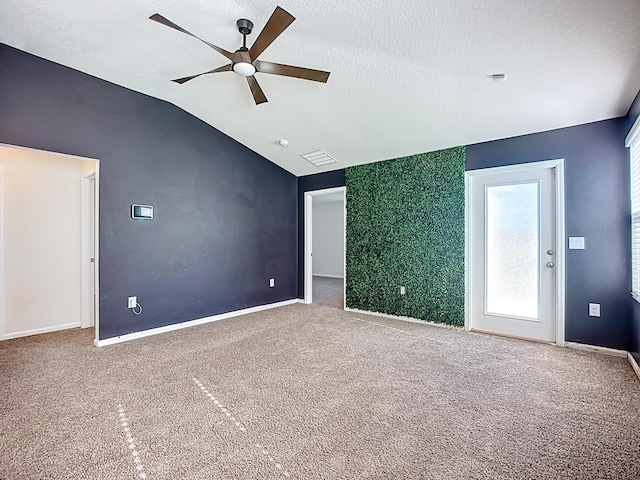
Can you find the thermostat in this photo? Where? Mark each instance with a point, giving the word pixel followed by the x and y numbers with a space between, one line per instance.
pixel 144 212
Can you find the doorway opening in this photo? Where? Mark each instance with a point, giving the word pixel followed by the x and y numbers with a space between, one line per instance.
pixel 324 247
pixel 49 219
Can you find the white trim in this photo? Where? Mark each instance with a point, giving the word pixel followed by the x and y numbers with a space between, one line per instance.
pixel 558 167
pixel 596 349
pixel 467 253
pixel 307 280
pixel 560 255
pixel 2 302
pixel 96 255
pixel 633 143
pixel 39 150
pixel 405 319
pixel 635 130
pixel 37 331
pixel 190 323
pixel 634 364
pixel 87 296
pixel 327 276
pixel 344 243
pixel 519 167
pixel 308 237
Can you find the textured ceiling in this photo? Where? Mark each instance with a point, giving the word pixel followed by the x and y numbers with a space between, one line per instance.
pixel 408 76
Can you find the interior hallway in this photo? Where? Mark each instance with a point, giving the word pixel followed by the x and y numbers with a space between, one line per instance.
pixel 328 292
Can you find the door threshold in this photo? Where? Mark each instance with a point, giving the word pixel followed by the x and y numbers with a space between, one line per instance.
pixel 513 337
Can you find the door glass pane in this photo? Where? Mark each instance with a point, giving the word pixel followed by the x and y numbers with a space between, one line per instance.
pixel 512 251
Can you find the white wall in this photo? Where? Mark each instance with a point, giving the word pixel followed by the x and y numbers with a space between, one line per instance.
pixel 328 238
pixel 40 246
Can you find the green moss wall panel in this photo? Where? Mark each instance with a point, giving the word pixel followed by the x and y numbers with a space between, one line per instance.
pixel 405 227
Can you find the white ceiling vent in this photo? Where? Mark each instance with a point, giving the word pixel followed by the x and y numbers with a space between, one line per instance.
pixel 319 158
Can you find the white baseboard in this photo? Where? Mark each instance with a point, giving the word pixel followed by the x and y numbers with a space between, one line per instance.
pixel 634 364
pixel 404 319
pixel 190 323
pixel 594 348
pixel 37 331
pixel 327 276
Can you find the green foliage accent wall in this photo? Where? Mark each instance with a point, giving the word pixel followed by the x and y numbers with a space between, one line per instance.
pixel 405 227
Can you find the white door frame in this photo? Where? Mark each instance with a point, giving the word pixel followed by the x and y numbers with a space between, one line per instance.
pixel 308 240
pixel 558 169
pixel 2 303
pixel 89 310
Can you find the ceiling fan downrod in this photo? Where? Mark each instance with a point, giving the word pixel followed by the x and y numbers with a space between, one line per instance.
pixel 244 27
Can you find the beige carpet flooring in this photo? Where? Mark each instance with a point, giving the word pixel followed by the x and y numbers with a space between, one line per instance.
pixel 311 392
pixel 328 292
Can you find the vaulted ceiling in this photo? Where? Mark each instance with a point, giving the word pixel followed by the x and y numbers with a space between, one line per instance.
pixel 407 76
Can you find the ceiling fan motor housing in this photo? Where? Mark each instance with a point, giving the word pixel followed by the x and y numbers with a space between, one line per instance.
pixel 245 26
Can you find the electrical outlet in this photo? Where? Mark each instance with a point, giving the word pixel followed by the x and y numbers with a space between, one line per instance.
pixel 132 302
pixel 272 282
pixel 594 309
pixel 403 290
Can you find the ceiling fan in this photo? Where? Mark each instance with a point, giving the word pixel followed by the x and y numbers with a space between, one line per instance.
pixel 244 61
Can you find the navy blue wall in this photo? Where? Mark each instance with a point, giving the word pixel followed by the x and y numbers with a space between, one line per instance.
pixel 635 345
pixel 225 218
pixel 310 183
pixel 632 116
pixel 596 207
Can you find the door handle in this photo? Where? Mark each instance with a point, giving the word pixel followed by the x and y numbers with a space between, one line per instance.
pixel 550 264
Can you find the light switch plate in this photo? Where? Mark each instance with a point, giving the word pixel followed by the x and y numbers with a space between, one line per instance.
pixel 272 282
pixel 132 302
pixel 594 309
pixel 576 243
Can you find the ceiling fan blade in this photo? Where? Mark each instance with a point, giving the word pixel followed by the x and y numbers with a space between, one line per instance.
pixel 156 17
pixel 291 71
pixel 225 68
pixel 258 94
pixel 278 22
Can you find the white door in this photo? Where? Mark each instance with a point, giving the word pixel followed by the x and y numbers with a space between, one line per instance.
pixel 513 252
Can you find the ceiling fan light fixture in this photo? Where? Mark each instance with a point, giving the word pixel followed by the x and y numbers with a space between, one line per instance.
pixel 244 68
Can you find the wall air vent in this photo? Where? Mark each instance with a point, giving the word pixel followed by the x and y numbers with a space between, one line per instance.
pixel 319 158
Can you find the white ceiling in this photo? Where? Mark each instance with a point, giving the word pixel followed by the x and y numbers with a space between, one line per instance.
pixel 408 76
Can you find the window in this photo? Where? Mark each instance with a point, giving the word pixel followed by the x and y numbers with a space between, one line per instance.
pixel 633 142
